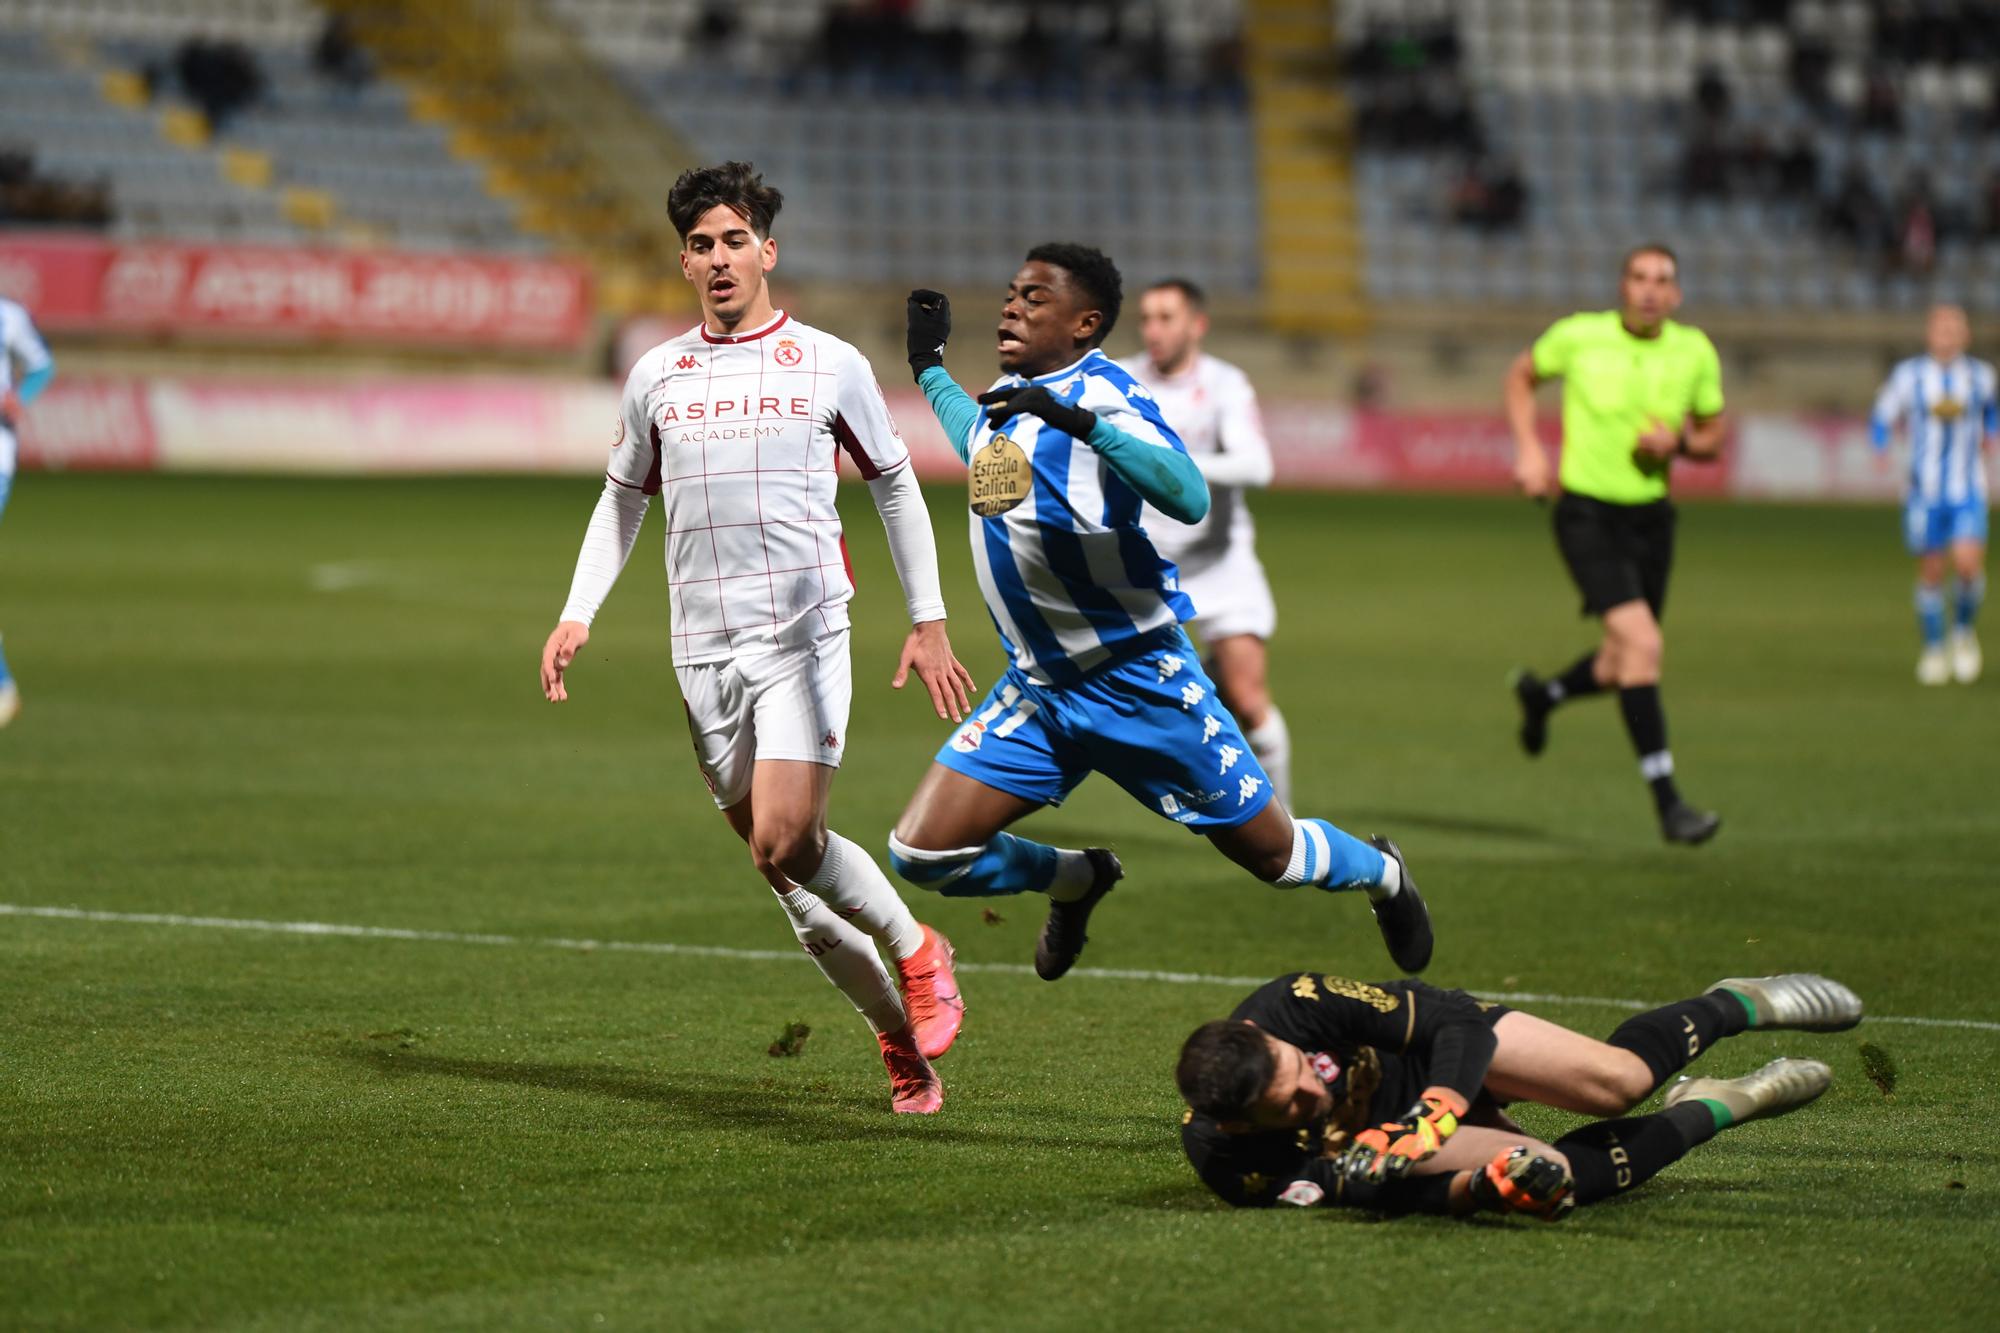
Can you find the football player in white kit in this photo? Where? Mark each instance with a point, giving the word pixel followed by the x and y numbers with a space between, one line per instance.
pixel 18 342
pixel 1212 407
pixel 740 423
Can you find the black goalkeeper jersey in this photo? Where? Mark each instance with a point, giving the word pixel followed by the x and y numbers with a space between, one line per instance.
pixel 1378 1045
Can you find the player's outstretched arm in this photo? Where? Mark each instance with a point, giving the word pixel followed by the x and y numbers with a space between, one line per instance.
pixel 607 544
pixel 913 549
pixel 1165 477
pixel 1245 456
pixel 927 327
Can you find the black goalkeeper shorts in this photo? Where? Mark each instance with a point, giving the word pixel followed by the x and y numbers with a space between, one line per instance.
pixel 1616 553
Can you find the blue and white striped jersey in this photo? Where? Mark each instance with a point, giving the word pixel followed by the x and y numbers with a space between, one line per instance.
pixel 1069 575
pixel 1949 412
pixel 19 342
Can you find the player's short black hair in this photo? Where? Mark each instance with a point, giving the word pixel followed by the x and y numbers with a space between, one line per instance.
pixel 1197 299
pixel 737 184
pixel 1224 1068
pixel 1091 270
pixel 1650 248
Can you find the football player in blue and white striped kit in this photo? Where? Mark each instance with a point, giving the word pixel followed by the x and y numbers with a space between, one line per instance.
pixel 18 342
pixel 1067 450
pixel 1946 404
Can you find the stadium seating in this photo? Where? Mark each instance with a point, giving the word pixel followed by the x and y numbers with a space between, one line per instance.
pixel 894 175
pixel 1597 103
pixel 389 177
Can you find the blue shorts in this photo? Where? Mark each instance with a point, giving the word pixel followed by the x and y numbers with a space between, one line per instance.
pixel 1928 528
pixel 1151 723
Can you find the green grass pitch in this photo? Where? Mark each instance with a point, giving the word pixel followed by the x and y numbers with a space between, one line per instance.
pixel 309 700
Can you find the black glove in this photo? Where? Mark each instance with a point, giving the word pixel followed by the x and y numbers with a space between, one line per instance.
pixel 928 327
pixel 1035 400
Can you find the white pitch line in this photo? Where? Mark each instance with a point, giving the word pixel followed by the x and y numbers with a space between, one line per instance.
pixel 342 931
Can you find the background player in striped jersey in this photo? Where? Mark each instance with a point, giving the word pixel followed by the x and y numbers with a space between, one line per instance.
pixel 1068 450
pixel 18 342
pixel 1946 405
pixel 1213 409
pixel 740 423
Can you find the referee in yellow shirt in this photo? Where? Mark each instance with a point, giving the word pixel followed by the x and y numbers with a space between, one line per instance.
pixel 1638 389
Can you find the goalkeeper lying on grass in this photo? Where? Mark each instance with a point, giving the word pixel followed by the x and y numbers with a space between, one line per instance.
pixel 1320 1090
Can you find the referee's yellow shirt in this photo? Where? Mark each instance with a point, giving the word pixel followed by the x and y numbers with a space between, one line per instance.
pixel 1615 388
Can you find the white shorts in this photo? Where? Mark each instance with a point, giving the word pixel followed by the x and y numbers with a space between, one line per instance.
pixel 788 704
pixel 1231 596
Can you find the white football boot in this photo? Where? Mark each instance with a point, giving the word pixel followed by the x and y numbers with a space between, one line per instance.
pixel 1800 1001
pixel 1933 666
pixel 1783 1085
pixel 1965 658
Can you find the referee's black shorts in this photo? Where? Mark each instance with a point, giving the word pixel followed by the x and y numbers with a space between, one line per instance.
pixel 1616 553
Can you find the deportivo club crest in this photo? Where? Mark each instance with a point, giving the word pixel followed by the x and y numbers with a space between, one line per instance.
pixel 1001 477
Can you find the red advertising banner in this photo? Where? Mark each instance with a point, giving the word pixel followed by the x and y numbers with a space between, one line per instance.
pixel 85 284
pixel 89 423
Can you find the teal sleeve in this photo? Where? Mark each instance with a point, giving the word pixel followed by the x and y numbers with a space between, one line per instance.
pixel 954 409
pixel 1165 478
pixel 35 381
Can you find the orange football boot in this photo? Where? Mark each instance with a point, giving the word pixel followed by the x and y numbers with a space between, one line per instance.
pixel 930 995
pixel 914 1087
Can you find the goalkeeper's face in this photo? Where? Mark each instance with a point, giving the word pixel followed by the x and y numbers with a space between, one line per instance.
pixel 726 261
pixel 1295 1097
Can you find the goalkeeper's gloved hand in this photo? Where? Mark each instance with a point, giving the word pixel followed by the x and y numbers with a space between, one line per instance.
pixel 1521 1181
pixel 927 316
pixel 1035 400
pixel 1389 1150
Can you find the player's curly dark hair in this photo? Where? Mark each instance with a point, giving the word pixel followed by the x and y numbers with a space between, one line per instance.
pixel 1224 1067
pixel 1093 272
pixel 737 184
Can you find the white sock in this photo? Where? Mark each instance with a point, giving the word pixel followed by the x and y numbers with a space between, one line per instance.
pixel 847 959
pixel 850 882
pixel 1074 876
pixel 1272 744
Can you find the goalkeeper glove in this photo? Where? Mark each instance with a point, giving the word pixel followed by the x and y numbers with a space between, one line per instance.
pixel 927 318
pixel 1035 400
pixel 1519 1181
pixel 1389 1150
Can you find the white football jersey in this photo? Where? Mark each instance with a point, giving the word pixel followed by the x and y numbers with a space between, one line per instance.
pixel 1212 407
pixel 742 435
pixel 19 342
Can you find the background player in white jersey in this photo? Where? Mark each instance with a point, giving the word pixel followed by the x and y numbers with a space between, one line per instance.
pixel 739 423
pixel 1212 407
pixel 1102 680
pixel 1946 404
pixel 18 342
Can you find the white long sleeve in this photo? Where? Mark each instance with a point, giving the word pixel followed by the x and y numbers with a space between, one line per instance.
pixel 913 548
pixel 607 544
pixel 1243 455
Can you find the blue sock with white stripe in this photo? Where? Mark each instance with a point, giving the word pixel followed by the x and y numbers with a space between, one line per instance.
pixel 1323 855
pixel 1930 615
pixel 1971 592
pixel 1006 865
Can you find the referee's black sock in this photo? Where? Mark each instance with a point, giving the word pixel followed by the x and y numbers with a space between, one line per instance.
pixel 1668 1037
pixel 1612 1156
pixel 1646 724
pixel 1578 681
